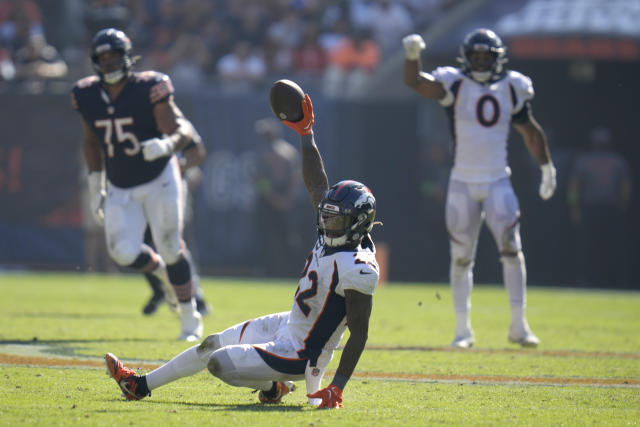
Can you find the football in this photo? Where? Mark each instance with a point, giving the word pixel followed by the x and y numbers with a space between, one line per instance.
pixel 285 99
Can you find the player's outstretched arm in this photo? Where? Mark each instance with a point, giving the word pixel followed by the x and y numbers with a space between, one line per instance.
pixel 314 175
pixel 536 142
pixel 423 83
pixel 358 307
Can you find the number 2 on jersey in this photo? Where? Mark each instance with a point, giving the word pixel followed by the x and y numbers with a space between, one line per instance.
pixel 121 135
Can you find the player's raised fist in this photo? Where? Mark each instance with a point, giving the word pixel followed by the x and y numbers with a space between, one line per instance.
pixel 413 44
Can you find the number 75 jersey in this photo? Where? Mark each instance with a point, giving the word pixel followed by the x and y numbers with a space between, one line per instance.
pixel 481 115
pixel 121 124
pixel 317 320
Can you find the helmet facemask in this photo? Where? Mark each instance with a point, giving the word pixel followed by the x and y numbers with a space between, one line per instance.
pixel 117 73
pixel 333 226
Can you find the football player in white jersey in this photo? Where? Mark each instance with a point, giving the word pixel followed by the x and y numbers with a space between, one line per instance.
pixel 483 99
pixel 335 292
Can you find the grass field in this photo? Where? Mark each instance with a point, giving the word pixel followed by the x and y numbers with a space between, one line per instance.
pixel 55 329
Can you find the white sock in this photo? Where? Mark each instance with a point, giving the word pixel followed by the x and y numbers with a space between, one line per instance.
pixel 461 285
pixel 183 365
pixel 515 280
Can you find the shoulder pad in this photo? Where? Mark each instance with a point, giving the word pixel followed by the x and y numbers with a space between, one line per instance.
pixel 86 82
pixel 521 90
pixel 160 85
pixel 447 75
pixel 521 84
pixel 149 76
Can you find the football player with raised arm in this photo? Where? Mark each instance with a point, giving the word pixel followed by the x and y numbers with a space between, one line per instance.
pixel 132 128
pixel 335 292
pixel 482 98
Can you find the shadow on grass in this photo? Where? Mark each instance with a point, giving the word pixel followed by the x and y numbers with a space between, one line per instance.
pixel 255 407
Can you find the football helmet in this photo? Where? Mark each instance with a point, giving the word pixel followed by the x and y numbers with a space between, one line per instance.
pixel 111 39
pixel 483 40
pixel 346 214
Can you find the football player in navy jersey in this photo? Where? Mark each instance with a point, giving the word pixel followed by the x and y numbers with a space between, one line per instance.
pixel 483 99
pixel 335 292
pixel 132 128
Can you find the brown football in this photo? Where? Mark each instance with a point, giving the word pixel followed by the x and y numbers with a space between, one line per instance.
pixel 285 99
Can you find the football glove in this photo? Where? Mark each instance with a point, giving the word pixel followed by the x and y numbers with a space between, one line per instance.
pixel 331 397
pixel 548 183
pixel 413 44
pixel 155 148
pixel 97 196
pixel 305 125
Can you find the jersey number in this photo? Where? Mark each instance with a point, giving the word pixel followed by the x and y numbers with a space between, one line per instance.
pixel 480 113
pixel 309 293
pixel 121 135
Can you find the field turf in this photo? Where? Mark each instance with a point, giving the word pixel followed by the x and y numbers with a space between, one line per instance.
pixel 56 328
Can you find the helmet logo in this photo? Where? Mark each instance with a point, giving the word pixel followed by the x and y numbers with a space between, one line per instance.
pixel 332 208
pixel 365 198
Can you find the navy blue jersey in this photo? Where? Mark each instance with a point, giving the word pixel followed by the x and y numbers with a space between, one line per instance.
pixel 123 123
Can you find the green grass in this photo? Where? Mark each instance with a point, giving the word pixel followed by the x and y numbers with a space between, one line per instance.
pixel 585 334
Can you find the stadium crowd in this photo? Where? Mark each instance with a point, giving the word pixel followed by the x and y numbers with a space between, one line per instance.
pixel 235 45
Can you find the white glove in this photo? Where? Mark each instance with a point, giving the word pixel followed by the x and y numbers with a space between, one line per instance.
pixel 97 196
pixel 413 44
pixel 548 183
pixel 155 148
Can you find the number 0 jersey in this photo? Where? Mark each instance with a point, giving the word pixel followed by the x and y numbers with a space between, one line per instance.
pixel 481 115
pixel 123 123
pixel 318 316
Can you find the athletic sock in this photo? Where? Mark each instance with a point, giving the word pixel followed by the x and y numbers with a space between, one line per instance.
pixel 183 365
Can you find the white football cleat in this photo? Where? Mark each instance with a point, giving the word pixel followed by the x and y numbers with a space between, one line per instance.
pixel 522 335
pixel 465 340
pixel 191 327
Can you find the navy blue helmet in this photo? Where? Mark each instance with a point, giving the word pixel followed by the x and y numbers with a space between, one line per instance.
pixel 483 40
pixel 111 39
pixel 346 214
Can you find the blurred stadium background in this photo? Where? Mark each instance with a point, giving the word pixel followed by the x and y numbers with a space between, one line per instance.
pixel 223 55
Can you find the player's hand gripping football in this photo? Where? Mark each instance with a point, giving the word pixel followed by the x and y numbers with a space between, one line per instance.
pixel 413 44
pixel 331 397
pixel 548 183
pixel 155 148
pixel 97 196
pixel 303 126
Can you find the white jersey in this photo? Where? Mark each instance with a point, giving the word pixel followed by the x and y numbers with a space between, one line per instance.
pixel 481 115
pixel 317 320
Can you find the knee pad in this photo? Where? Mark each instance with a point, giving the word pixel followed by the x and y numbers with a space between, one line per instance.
pixel 124 252
pixel 221 366
pixel 462 255
pixel 209 345
pixel 512 258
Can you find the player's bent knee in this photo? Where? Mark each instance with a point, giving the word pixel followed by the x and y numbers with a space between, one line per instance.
pixel 209 345
pixel 511 257
pixel 220 365
pixel 124 253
